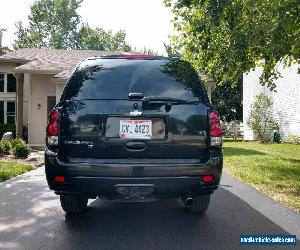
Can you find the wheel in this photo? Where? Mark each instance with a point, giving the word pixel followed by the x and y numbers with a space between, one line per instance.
pixel 73 204
pixel 200 204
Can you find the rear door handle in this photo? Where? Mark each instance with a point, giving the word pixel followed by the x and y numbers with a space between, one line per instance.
pixel 135 145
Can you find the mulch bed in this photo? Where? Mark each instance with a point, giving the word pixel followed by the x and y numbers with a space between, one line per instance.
pixel 33 159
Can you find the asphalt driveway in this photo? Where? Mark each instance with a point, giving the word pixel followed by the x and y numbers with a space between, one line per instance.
pixel 31 218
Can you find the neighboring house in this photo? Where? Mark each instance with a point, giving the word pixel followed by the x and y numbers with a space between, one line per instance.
pixel 31 82
pixel 286 108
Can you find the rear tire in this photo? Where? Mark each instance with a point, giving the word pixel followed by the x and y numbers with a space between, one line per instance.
pixel 73 204
pixel 200 204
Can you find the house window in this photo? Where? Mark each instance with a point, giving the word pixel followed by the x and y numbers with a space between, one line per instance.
pixel 7 83
pixel 1 111
pixel 7 112
pixel 11 83
pixel 2 82
pixel 11 112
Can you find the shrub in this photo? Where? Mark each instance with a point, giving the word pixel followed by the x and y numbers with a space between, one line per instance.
pixel 7 128
pixel 21 150
pixel 16 141
pixel 1 149
pixel 5 146
pixel 294 139
pixel 277 137
pixel 261 119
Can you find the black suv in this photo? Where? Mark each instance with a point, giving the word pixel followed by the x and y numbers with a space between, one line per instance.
pixel 134 128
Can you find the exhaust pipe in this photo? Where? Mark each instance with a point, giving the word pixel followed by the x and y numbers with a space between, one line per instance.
pixel 188 201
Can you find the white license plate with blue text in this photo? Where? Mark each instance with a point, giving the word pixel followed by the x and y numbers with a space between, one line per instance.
pixel 135 129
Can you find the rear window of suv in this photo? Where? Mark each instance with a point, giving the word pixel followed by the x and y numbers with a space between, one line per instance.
pixel 116 78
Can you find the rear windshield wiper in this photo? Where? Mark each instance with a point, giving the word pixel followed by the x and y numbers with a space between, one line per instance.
pixel 169 101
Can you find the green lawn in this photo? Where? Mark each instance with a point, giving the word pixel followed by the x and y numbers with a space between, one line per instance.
pixel 271 168
pixel 11 169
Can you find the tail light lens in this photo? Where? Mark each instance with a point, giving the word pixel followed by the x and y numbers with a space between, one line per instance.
pixel 208 178
pixel 215 129
pixel 53 128
pixel 59 179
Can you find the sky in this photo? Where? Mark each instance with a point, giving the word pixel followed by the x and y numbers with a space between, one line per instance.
pixel 146 22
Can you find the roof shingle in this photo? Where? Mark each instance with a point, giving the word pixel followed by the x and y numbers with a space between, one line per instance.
pixel 59 61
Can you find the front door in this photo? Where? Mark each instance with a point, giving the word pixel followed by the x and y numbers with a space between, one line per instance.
pixel 51 101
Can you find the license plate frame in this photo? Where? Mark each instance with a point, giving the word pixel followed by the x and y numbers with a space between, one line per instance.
pixel 135 129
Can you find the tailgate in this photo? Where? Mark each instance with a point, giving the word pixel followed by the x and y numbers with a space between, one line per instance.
pixel 92 129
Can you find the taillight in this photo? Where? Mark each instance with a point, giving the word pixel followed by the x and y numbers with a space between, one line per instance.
pixel 53 128
pixel 215 129
pixel 208 178
pixel 59 179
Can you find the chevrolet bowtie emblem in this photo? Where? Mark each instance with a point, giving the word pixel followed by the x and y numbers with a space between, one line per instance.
pixel 135 112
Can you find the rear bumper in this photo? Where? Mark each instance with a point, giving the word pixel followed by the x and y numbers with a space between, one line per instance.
pixel 168 180
pixel 164 187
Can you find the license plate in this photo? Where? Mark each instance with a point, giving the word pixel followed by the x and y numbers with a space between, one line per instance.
pixel 135 129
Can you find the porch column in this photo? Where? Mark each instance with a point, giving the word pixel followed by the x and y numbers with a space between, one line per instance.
pixel 19 98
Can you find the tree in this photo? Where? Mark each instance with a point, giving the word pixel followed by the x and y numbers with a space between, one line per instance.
pixel 225 38
pixel 145 51
pixel 2 49
pixel 227 99
pixel 261 119
pixel 56 24
pixel 52 24
pixel 171 52
pixel 99 39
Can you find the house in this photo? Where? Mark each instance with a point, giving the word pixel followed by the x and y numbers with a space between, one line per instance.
pixel 31 82
pixel 286 107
